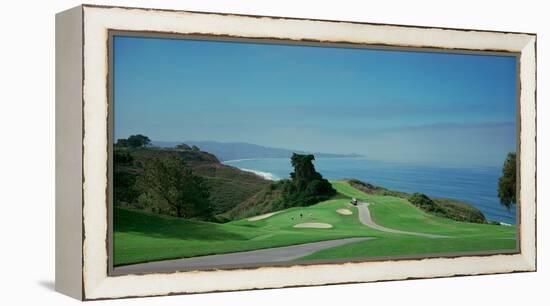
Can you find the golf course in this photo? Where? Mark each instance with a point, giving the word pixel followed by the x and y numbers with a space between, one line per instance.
pixel 381 225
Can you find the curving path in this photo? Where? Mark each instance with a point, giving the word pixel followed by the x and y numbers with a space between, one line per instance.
pixel 263 256
pixel 366 219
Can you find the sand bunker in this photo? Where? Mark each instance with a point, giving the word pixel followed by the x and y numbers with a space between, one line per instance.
pixel 313 225
pixel 344 211
pixel 264 216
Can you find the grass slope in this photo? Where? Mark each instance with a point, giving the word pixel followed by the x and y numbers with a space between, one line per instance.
pixel 397 213
pixel 229 186
pixel 142 237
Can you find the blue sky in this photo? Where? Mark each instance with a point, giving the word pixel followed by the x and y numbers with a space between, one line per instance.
pixel 392 105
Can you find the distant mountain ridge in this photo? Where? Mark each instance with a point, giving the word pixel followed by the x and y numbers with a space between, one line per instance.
pixel 225 151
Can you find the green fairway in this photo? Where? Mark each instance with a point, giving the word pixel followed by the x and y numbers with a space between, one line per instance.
pixel 142 237
pixel 398 213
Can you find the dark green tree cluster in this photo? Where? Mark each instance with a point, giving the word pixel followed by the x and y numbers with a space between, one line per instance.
pixel 125 190
pixel 306 186
pixel 169 183
pixel 423 202
pixel 162 185
pixel 122 158
pixel 124 181
pixel 507 182
pixel 134 141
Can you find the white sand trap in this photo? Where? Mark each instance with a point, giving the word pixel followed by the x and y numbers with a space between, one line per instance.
pixel 344 211
pixel 313 225
pixel 261 217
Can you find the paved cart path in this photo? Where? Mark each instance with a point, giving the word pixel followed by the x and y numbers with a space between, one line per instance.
pixel 263 256
pixel 366 219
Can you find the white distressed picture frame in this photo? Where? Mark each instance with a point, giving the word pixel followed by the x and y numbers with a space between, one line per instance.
pixel 82 110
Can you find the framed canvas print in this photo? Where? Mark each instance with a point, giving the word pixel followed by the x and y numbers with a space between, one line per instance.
pixel 201 152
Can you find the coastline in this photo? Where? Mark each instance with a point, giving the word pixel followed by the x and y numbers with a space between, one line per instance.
pixel 266 175
pixel 455 183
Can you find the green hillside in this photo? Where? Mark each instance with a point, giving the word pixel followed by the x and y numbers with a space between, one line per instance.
pixel 228 186
pixel 142 237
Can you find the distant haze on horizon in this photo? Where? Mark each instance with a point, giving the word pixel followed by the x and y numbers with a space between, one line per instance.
pixel 425 107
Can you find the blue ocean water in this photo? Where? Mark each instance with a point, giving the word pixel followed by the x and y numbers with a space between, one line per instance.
pixel 474 185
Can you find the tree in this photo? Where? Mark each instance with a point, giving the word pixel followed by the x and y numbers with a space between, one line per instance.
pixel 170 183
pixel 507 182
pixel 138 141
pixel 122 142
pixel 124 181
pixel 134 141
pixel 304 171
pixel 306 186
pixel 195 148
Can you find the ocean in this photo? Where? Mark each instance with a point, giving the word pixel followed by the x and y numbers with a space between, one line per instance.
pixel 474 185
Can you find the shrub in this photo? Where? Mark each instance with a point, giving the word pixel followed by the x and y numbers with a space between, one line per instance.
pixel 122 158
pixel 423 202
